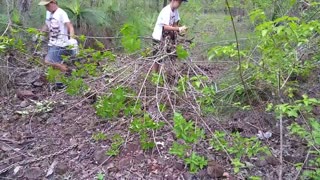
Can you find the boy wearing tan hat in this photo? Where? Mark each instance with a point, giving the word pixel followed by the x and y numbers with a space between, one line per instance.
pixel 60 30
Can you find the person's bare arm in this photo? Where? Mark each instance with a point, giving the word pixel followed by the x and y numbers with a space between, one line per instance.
pixel 70 29
pixel 175 28
pixel 170 28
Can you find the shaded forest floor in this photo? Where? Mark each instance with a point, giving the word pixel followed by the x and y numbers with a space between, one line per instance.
pixel 53 140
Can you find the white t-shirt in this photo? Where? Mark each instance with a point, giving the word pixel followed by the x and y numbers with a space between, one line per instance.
pixel 58 30
pixel 166 17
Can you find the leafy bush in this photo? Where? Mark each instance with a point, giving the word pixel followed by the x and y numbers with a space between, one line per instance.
pixel 99 136
pixel 117 141
pixel 238 146
pixel 191 134
pixel 196 162
pixel 309 131
pixel 111 106
pixel 130 40
pixel 143 126
pixel 186 130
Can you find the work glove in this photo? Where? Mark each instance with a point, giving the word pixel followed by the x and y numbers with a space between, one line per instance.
pixel 38 37
pixel 183 29
pixel 73 44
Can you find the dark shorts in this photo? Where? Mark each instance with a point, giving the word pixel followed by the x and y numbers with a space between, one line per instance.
pixel 167 36
pixel 156 48
pixel 55 54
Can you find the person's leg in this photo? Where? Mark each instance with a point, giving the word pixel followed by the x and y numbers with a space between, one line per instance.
pixel 54 58
pixel 156 65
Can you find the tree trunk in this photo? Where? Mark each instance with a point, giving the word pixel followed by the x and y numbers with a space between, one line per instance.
pixel 158 5
pixel 4 74
pixel 165 3
pixel 276 10
pixel 78 21
pixel 24 6
pixel 4 78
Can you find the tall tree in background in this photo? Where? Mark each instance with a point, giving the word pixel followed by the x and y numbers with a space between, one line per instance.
pixel 165 2
pixel 4 75
pixel 24 7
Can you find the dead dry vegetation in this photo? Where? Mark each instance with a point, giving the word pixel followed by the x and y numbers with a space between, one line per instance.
pixel 248 108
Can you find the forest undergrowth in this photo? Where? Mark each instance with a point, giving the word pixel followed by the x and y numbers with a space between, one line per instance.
pixel 243 111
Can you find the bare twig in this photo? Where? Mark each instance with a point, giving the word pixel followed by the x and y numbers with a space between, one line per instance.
pixel 281 128
pixel 9 18
pixel 238 49
pixel 33 160
pixel 281 148
pixel 304 163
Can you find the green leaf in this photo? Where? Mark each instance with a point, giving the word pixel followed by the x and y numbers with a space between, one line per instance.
pixel 186 130
pixel 196 162
pixel 53 75
pixel 100 176
pixel 2 47
pixel 75 86
pixel 16 17
pixel 111 106
pixel 257 15
pixel 292 113
pixel 264 32
pixel 130 39
pixel 178 149
pixel 237 165
pixel 117 141
pixel 181 52
pixel 99 136
pixel 255 178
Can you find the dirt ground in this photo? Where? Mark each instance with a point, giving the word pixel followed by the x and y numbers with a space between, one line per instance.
pixel 56 141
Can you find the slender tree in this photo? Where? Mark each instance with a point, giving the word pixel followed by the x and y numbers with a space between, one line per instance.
pixel 165 2
pixel 4 78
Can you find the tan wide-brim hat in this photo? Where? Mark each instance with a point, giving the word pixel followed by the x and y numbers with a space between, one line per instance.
pixel 45 2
